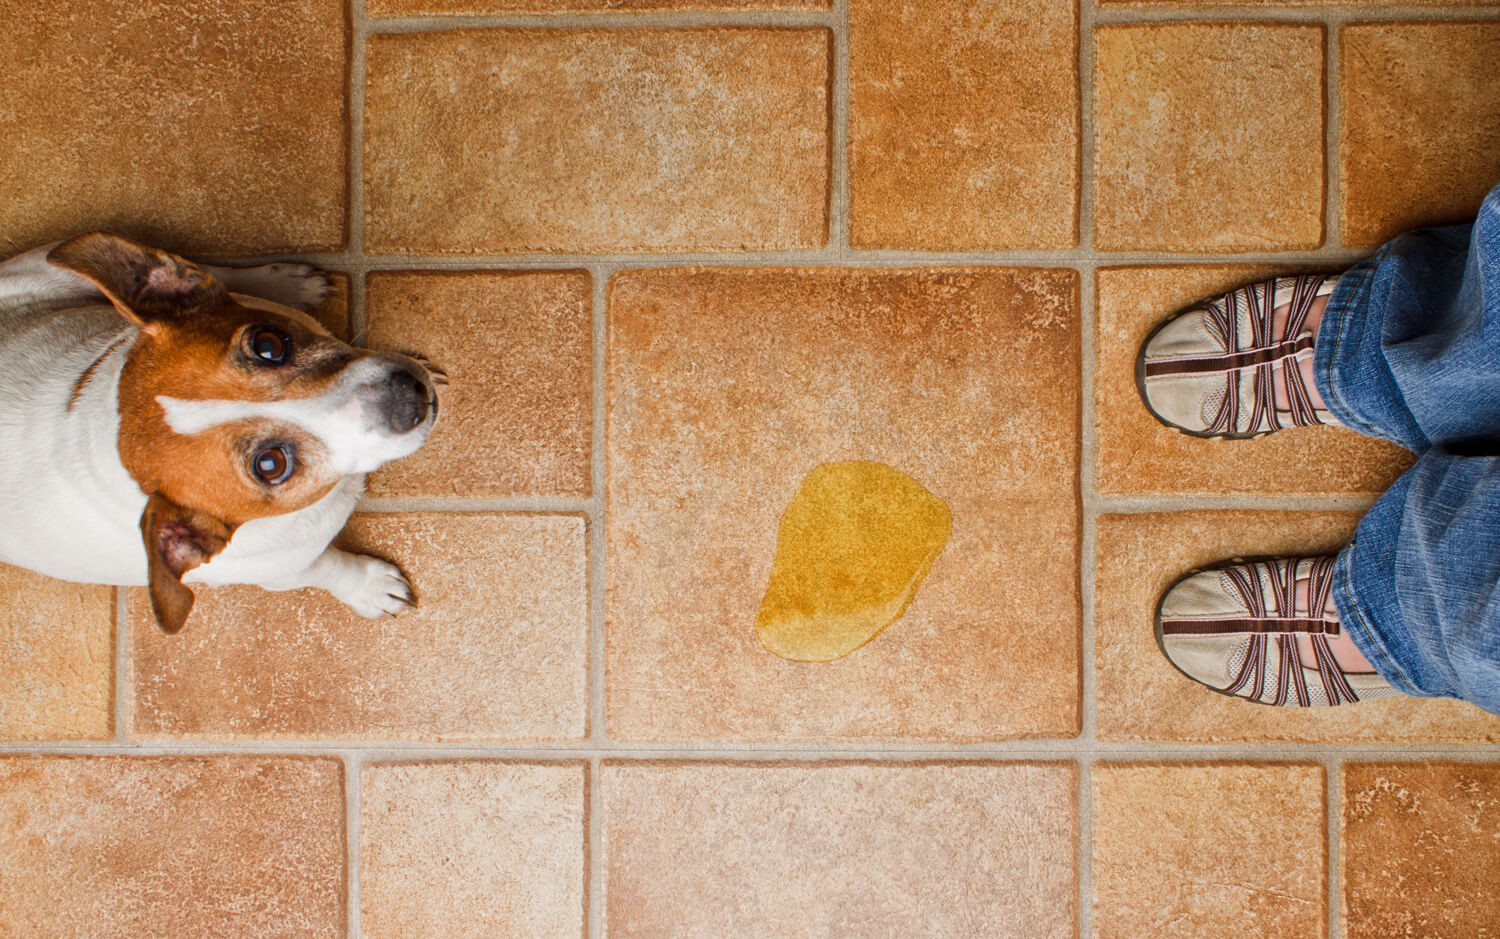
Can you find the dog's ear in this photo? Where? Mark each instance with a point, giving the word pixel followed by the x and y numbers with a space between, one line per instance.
pixel 147 286
pixel 177 540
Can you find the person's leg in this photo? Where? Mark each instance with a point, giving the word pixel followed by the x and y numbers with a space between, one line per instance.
pixel 1419 588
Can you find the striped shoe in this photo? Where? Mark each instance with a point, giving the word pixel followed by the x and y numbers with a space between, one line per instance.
pixel 1214 370
pixel 1235 628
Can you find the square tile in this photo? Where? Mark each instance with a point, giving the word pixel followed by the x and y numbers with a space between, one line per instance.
pixel 964 124
pixel 172 846
pixel 187 132
pixel 1420 850
pixel 517 416
pixel 57 651
pixel 1138 455
pixel 496 650
pixel 441 7
pixel 473 848
pixel 1142 696
pixel 1209 850
pixel 1208 137
pixel 614 140
pixel 1420 125
pixel 727 387
pixel 846 849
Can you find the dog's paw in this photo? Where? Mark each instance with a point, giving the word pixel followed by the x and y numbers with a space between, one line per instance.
pixel 301 286
pixel 374 588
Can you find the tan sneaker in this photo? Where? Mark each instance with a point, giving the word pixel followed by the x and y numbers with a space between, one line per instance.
pixel 1214 370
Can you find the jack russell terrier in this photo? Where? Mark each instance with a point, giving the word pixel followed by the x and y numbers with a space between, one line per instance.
pixel 164 423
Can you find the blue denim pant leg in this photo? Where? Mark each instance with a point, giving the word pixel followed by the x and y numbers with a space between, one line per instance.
pixel 1409 351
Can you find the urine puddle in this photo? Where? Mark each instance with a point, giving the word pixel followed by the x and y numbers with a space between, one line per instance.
pixel 853 547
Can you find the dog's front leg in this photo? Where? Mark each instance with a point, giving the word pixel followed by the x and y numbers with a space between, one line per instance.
pixel 371 587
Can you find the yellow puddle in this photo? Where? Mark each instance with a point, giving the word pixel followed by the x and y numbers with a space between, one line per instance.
pixel 854 545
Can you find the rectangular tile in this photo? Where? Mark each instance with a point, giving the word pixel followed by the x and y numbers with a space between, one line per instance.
pixel 597 140
pixel 1208 137
pixel 727 387
pixel 517 416
pixel 181 126
pixel 477 7
pixel 1420 850
pixel 842 849
pixel 497 648
pixel 1419 128
pixel 964 124
pixel 1142 696
pixel 1138 455
pixel 172 846
pixel 472 848
pixel 1209 850
pixel 57 650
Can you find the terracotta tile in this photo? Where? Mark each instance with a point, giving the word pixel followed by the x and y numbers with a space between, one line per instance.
pixel 1419 850
pixel 1141 696
pixel 963 124
pixel 1208 137
pixel 334 313
pixel 497 649
pixel 475 848
pixel 1138 455
pixel 726 387
pixel 129 846
pixel 822 850
pixel 1209 850
pixel 1420 128
pixel 517 416
pixel 439 7
pixel 57 645
pixel 597 140
pixel 224 132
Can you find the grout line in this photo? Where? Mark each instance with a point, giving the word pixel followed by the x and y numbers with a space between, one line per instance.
pixel 593 873
pixel 1086 847
pixel 353 764
pixel 1146 13
pixel 1087 483
pixel 840 188
pixel 1333 185
pixel 598 512
pixel 1333 876
pixel 621 20
pixel 121 692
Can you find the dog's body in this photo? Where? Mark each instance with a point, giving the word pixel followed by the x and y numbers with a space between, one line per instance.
pixel 119 364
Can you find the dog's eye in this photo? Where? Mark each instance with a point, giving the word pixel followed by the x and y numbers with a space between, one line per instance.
pixel 273 465
pixel 271 346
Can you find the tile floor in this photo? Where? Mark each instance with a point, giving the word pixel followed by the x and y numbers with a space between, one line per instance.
pixel 675 254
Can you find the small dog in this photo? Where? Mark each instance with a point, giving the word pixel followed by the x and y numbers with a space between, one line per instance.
pixel 164 423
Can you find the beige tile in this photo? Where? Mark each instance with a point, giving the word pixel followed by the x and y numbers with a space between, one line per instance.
pixel 497 649
pixel 439 7
pixel 475 848
pixel 1209 850
pixel 1141 696
pixel 1138 455
pixel 517 416
pixel 1208 137
pixel 963 124
pixel 174 846
pixel 1420 126
pixel 57 644
pixel 198 126
pixel 597 140
pixel 819 850
pixel 1420 850
pixel 726 387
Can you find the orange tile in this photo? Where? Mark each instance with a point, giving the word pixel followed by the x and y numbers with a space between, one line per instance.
pixel 818 850
pixel 1209 850
pixel 1138 455
pixel 1141 696
pixel 1419 851
pixel 57 643
pixel 517 416
pixel 963 124
pixel 726 387
pixel 1208 137
pixel 597 140
pixel 171 846
pixel 440 7
pixel 498 648
pixel 197 126
pixel 473 848
pixel 1420 127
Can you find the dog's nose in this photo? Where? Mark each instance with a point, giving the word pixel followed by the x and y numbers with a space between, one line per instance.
pixel 408 401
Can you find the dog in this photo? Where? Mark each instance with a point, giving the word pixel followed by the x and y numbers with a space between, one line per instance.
pixel 164 423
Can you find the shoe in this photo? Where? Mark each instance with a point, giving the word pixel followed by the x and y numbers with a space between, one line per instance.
pixel 1235 627
pixel 1211 371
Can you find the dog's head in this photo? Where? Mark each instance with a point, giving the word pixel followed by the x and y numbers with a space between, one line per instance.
pixel 234 408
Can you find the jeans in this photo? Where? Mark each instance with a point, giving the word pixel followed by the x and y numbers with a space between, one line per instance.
pixel 1409 351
